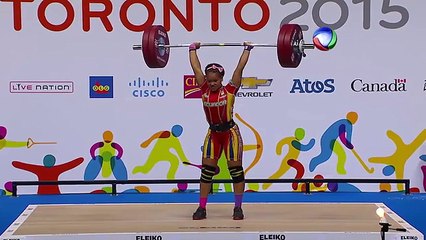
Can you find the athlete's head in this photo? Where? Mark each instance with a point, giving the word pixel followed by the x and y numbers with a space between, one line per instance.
pixel 214 75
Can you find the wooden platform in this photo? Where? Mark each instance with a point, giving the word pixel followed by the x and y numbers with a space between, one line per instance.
pixel 264 221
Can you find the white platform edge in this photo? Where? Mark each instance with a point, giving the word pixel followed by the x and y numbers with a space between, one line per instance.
pixel 411 234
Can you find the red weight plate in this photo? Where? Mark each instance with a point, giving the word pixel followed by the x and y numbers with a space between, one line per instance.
pixel 289 55
pixel 155 57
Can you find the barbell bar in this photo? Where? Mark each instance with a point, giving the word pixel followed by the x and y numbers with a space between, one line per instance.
pixel 230 44
pixel 290 45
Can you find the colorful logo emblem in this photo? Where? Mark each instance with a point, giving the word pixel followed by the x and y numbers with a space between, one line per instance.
pixel 254 82
pixel 325 38
pixel 101 87
pixel 190 87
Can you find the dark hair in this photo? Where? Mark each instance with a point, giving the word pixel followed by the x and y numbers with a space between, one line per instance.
pixel 215 67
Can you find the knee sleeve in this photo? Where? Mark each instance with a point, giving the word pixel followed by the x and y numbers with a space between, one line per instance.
pixel 237 174
pixel 207 173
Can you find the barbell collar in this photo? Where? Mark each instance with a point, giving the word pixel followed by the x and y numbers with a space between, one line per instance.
pixel 308 46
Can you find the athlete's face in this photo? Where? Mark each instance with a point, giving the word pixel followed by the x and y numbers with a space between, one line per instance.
pixel 214 80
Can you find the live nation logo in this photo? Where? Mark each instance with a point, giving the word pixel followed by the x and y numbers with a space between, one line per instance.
pixel 41 86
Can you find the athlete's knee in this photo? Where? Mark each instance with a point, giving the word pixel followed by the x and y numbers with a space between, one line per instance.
pixel 237 174
pixel 207 173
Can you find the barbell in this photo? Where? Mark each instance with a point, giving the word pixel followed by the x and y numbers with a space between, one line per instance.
pixel 290 45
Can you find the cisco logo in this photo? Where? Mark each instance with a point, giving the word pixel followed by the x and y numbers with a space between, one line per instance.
pixel 148 88
pixel 308 86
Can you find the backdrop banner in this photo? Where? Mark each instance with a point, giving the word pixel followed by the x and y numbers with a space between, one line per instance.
pixel 79 103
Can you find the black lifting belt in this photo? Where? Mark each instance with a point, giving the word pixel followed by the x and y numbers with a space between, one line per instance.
pixel 222 127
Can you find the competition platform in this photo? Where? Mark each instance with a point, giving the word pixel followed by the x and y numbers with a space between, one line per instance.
pixel 173 221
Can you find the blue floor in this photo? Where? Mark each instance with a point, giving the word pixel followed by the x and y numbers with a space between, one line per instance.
pixel 412 208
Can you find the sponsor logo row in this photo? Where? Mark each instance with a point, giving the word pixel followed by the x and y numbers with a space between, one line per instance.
pixel 251 87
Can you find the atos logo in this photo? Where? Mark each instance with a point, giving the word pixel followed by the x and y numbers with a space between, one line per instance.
pixel 308 86
pixel 151 88
pixel 101 87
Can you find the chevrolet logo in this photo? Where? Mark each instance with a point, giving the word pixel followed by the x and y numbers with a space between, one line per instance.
pixel 254 82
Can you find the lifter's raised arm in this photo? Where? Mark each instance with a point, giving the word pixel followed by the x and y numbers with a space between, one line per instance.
pixel 238 72
pixel 195 63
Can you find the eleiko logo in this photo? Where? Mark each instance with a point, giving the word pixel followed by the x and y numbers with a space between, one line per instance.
pixel 101 87
pixel 41 87
pixel 190 87
pixel 271 237
pixel 409 237
pixel 398 85
pixel 152 88
pixel 307 86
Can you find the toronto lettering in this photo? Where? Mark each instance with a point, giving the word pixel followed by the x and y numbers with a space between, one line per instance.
pixel 169 12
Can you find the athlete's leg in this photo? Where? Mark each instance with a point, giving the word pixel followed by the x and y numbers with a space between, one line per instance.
pixel 234 153
pixel 211 153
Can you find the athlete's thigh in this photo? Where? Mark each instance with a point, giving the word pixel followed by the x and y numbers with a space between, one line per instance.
pixel 233 145
pixel 212 147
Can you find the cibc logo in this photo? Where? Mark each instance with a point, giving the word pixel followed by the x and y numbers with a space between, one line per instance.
pixel 397 85
pixel 190 87
pixel 148 88
pixel 308 86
